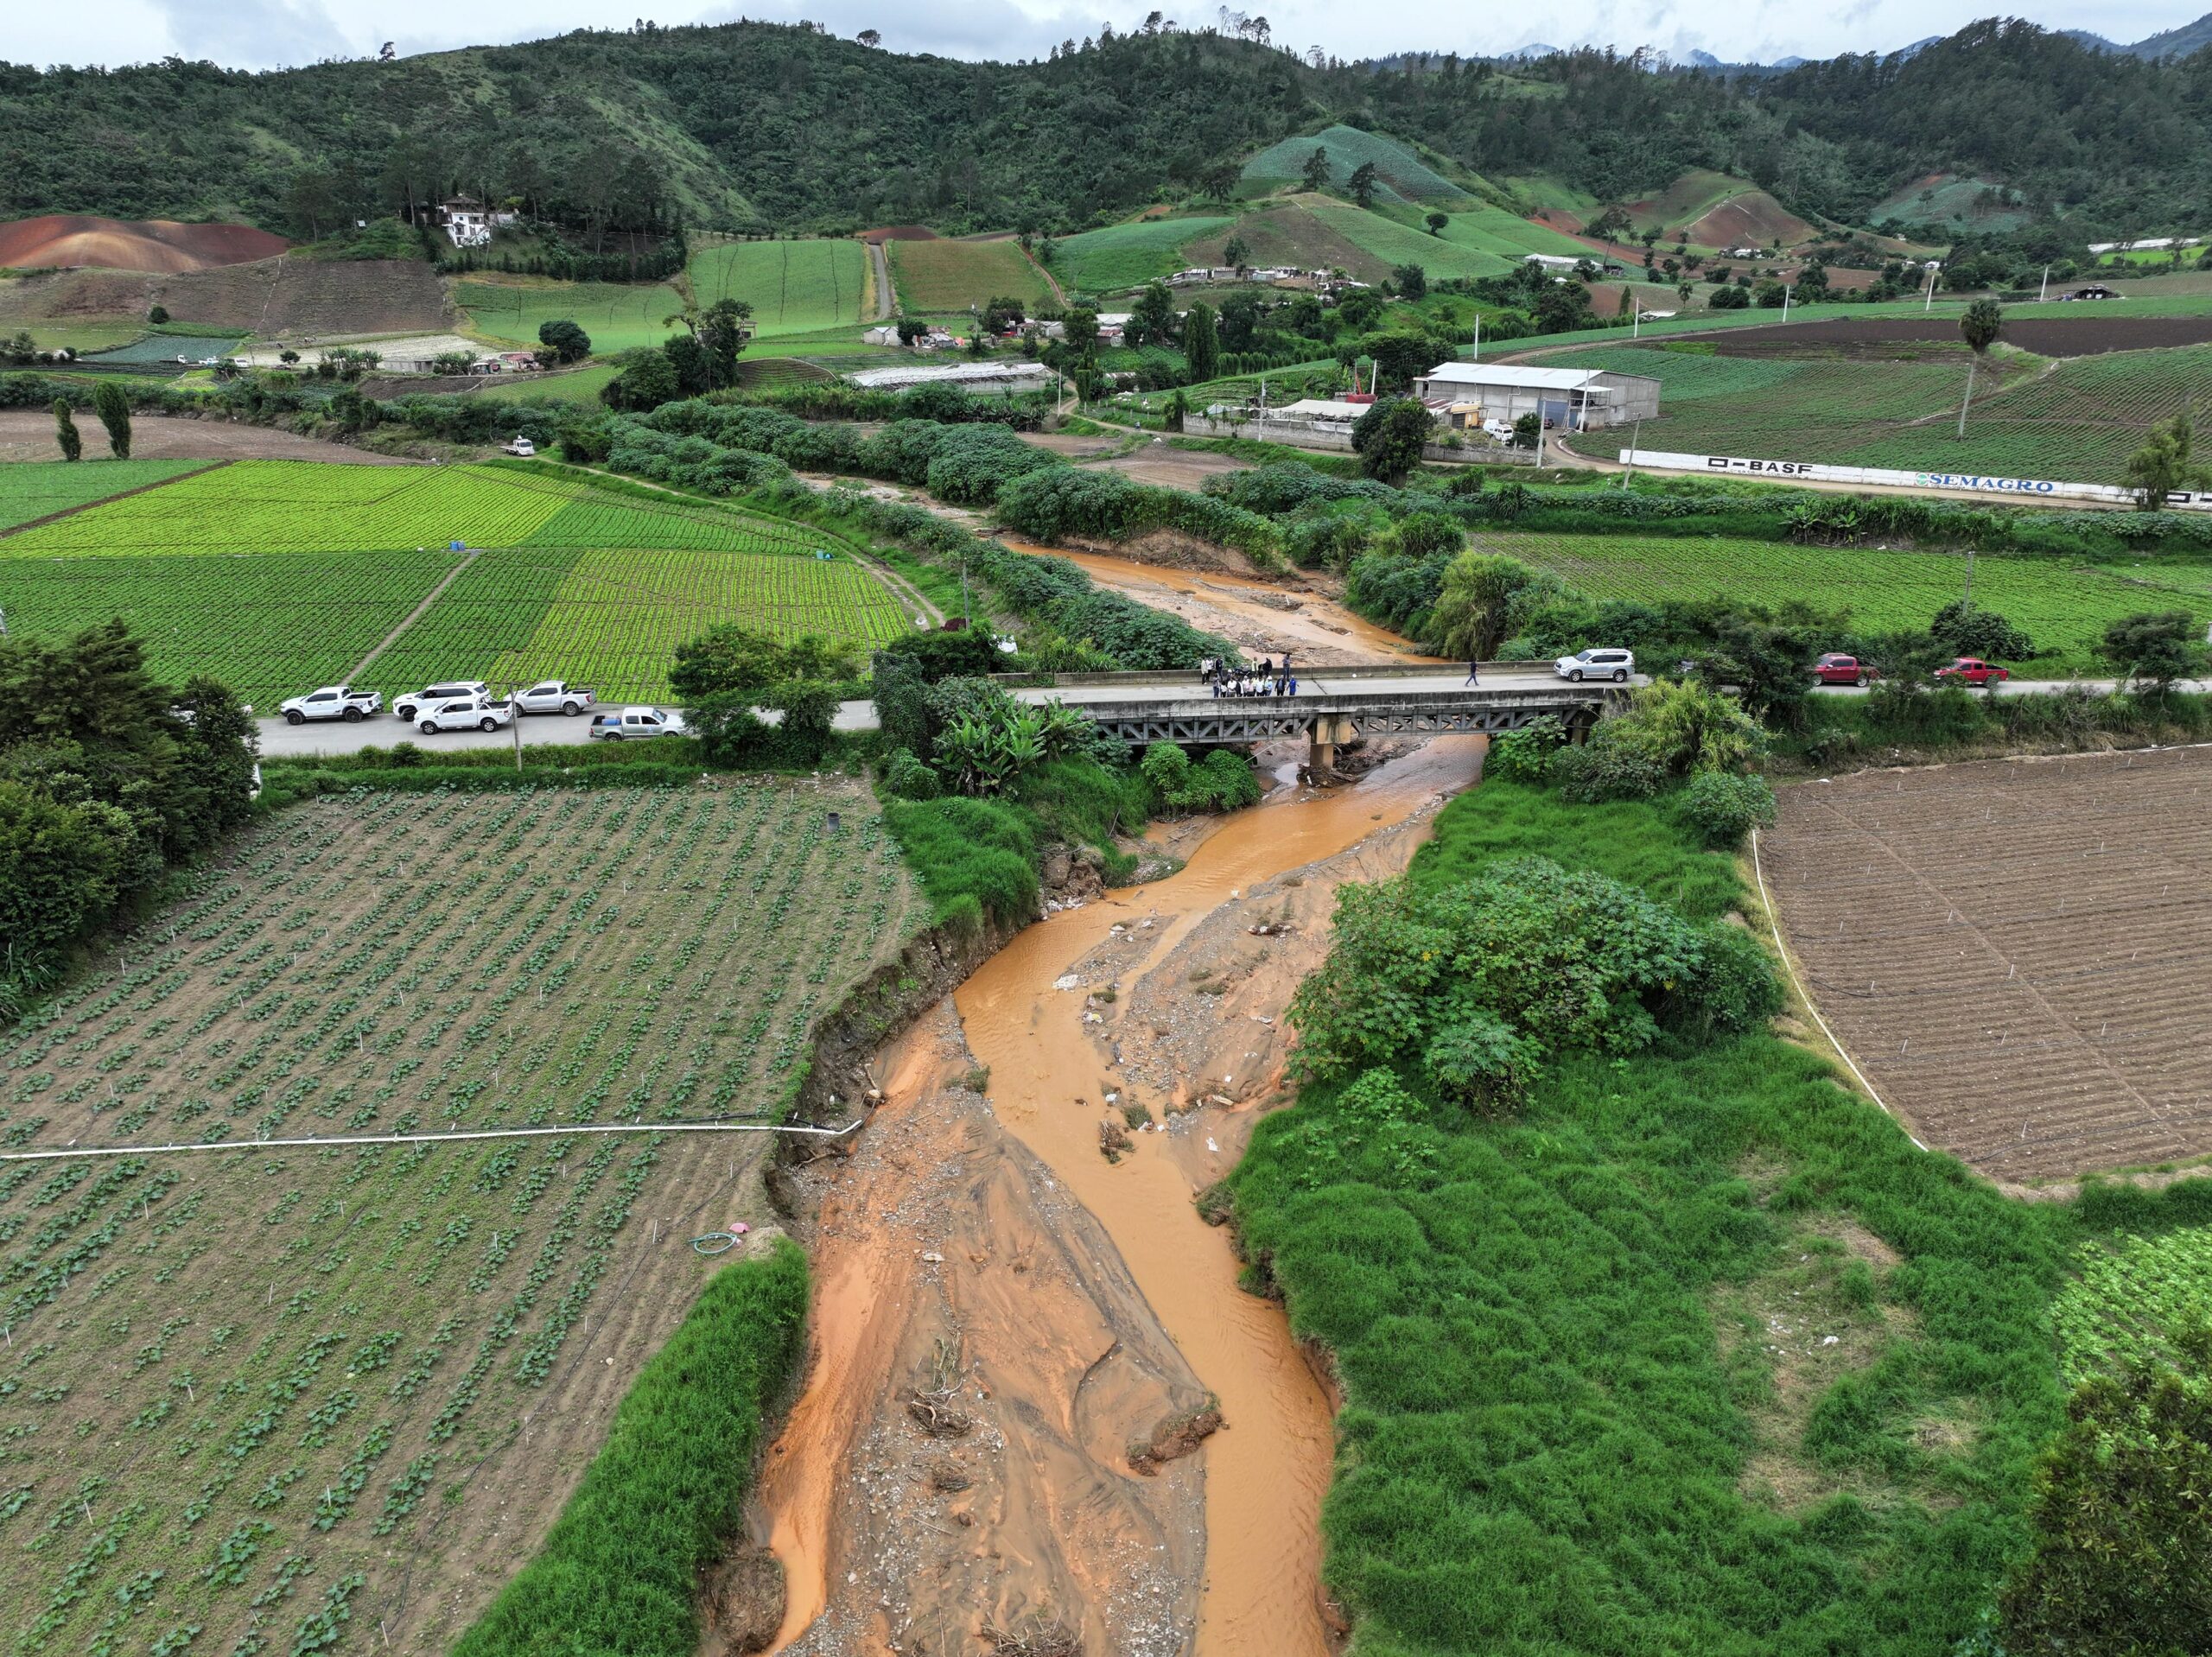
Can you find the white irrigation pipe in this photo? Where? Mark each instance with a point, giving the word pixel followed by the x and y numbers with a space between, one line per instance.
pixel 1781 948
pixel 429 1139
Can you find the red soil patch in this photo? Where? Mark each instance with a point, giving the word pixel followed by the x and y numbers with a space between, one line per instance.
pixel 899 233
pixel 158 244
pixel 1750 220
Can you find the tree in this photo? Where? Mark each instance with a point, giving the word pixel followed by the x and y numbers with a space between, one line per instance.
pixel 1080 329
pixel 568 342
pixel 1237 255
pixel 1362 184
pixel 311 201
pixel 1969 631
pixel 1528 431
pixel 65 432
pixel 1437 221
pixel 1472 613
pixel 718 332
pixel 1151 319
pixel 2153 650
pixel 2166 463
pixel 1201 344
pixel 158 315
pixel 910 328
pixel 1389 437
pixel 1978 327
pixel 868 37
pixel 1768 295
pixel 1001 313
pixel 2122 1559
pixel 1411 281
pixel 647 380
pixel 1317 169
pixel 112 405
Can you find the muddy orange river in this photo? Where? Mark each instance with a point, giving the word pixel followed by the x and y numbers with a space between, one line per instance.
pixel 1267 1469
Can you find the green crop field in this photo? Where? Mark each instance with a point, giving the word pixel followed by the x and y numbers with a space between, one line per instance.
pixel 1493 230
pixel 793 287
pixel 2063 607
pixel 1125 256
pixel 2128 1300
pixel 2078 421
pixel 34 489
pixel 568 385
pixel 1391 243
pixel 1405 176
pixel 276 1398
pixel 1947 199
pixel 617 315
pixel 278 575
pixel 942 276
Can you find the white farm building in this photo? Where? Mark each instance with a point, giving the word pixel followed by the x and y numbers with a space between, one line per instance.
pixel 981 378
pixel 1470 394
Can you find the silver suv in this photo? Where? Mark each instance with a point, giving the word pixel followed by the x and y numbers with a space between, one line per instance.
pixel 1614 665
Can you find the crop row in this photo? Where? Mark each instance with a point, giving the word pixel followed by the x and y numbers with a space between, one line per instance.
pixel 36 488
pixel 2063 608
pixel 2126 1302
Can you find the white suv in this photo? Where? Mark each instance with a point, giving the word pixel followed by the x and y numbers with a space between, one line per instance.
pixel 463 714
pixel 407 705
pixel 1614 665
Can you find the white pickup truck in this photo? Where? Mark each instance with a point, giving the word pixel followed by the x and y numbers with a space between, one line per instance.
pixel 638 722
pixel 464 714
pixel 556 696
pixel 331 701
pixel 431 695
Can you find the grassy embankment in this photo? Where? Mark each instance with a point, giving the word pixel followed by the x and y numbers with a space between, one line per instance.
pixel 1695 1353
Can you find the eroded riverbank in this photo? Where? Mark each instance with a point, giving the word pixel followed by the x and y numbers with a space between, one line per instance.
pixel 1078 1309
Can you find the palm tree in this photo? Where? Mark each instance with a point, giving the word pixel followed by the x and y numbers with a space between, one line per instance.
pixel 1978 327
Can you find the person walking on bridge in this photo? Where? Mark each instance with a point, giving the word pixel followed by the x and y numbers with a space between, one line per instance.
pixel 1474 673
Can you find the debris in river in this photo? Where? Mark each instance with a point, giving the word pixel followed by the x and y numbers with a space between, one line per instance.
pixel 1113 1140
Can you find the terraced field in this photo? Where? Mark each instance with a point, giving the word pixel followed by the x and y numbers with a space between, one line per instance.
pixel 617 315
pixel 2063 607
pixel 793 287
pixel 1127 256
pixel 1404 177
pixel 278 575
pixel 303 1400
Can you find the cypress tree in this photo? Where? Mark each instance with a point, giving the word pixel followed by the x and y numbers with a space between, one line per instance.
pixel 65 432
pixel 113 407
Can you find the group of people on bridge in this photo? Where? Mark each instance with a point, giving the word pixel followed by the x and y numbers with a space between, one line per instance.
pixel 1270 678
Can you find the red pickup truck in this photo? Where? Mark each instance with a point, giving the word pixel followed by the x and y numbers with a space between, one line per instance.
pixel 1835 669
pixel 1973 671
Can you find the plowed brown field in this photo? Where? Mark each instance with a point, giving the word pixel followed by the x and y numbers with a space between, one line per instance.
pixel 2015 952
pixel 65 239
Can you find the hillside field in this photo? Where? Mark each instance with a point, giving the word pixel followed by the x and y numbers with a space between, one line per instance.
pixel 1127 256
pixel 293 1400
pixel 617 316
pixel 277 576
pixel 794 287
pixel 2063 607
pixel 940 277
pixel 28 491
pixel 2076 421
pixel 1405 177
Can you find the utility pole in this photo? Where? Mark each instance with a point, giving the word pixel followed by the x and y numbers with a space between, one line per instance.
pixel 1478 338
pixel 1969 592
pixel 1635 316
pixel 2043 292
pixel 1629 471
pixel 514 721
pixel 1927 303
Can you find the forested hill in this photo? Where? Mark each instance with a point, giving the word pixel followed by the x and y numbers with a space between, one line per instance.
pixel 762 124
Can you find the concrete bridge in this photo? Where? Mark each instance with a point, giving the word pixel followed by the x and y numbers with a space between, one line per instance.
pixel 1333 707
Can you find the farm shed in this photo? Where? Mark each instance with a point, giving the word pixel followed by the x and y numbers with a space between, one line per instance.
pixel 1575 397
pixel 980 377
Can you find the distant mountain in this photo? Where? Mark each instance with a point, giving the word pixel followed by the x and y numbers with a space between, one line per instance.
pixel 2095 42
pixel 1701 60
pixel 1912 51
pixel 1534 49
pixel 2174 42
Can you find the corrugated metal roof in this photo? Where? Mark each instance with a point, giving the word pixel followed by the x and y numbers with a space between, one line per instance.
pixel 1323 408
pixel 1547 379
pixel 878 380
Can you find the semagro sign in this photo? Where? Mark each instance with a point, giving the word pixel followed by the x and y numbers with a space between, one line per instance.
pixel 1971 482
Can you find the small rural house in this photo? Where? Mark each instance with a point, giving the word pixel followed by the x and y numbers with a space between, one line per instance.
pixel 1463 394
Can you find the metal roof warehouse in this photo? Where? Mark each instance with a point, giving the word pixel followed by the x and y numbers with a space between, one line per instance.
pixel 1575 397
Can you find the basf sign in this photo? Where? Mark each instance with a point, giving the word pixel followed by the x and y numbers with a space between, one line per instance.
pixel 1966 482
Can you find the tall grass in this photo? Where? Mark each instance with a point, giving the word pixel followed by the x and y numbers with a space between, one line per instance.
pixel 618 1574
pixel 1545 1448
pixel 976 859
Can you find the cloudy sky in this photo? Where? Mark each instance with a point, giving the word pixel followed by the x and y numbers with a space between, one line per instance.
pixel 262 33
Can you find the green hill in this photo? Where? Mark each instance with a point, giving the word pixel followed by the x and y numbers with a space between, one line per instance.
pixel 1405 176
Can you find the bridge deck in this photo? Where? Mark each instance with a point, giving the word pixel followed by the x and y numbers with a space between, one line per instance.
pixel 1426 709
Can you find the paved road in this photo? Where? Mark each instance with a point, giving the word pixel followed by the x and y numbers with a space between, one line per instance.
pixel 551 730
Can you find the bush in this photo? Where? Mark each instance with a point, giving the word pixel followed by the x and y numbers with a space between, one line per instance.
pixel 1223 781
pixel 1723 806
pixel 1525 756
pixel 1599 770
pixel 976 859
pixel 1973 631
pixel 908 777
pixel 618 1574
pixel 1480 1060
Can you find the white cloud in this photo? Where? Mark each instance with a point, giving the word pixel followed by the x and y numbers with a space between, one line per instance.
pixel 261 34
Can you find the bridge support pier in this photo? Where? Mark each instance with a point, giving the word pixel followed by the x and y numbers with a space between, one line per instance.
pixel 1329 730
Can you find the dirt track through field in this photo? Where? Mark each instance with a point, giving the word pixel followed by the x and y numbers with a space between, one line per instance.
pixel 2013 950
pixel 2051 331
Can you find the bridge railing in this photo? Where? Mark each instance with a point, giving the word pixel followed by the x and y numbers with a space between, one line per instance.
pixel 1306 670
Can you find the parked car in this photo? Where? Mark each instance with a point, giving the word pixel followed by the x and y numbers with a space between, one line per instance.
pixel 415 701
pixel 1836 669
pixel 556 696
pixel 465 714
pixel 331 701
pixel 1973 671
pixel 1605 663
pixel 638 722
pixel 521 446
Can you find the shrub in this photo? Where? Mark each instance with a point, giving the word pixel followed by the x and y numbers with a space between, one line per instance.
pixel 1480 1060
pixel 1733 987
pixel 1600 769
pixel 1973 631
pixel 908 777
pixel 1525 755
pixel 1723 806
pixel 976 858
